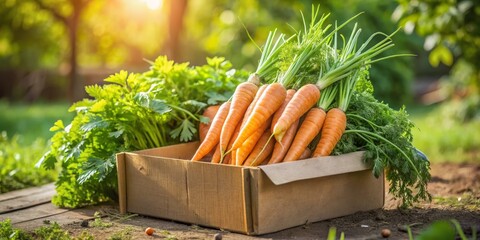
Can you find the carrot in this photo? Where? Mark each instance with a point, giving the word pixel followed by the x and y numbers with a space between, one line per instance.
pixel 244 120
pixel 252 105
pixel 234 136
pixel 333 128
pixel 233 157
pixel 262 150
pixel 203 127
pixel 306 154
pixel 281 148
pixel 247 146
pixel 301 102
pixel 213 134
pixel 276 116
pixel 227 159
pixel 271 99
pixel 241 99
pixel 311 126
pixel 216 155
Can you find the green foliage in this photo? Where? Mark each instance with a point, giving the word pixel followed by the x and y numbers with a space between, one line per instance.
pixel 386 136
pixel 452 35
pixel 156 108
pixel 8 232
pixel 444 229
pixel 51 232
pixel 99 223
pixel 29 38
pixel 332 234
pixel 18 164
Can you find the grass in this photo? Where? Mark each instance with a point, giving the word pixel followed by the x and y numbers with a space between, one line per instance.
pixel 24 134
pixel 443 139
pixel 32 121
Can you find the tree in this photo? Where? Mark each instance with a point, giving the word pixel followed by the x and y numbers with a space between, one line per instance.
pixel 452 35
pixel 175 26
pixel 71 21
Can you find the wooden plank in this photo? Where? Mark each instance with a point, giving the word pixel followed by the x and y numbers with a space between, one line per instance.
pixel 26 201
pixel 60 216
pixel 26 192
pixel 31 213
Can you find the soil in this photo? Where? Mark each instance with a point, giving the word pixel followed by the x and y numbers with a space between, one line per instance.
pixel 455 190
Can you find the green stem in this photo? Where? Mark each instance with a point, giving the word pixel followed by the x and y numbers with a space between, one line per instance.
pixel 185 111
pixel 372 124
pixel 327 97
pixel 387 141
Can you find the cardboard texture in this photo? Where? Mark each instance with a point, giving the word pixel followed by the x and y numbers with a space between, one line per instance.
pixel 163 183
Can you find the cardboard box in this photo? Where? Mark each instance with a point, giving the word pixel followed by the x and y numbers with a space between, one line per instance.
pixel 252 200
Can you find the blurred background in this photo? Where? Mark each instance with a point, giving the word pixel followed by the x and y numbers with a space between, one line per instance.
pixel 51 49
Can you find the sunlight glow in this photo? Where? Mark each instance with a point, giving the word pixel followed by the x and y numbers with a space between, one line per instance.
pixel 153 4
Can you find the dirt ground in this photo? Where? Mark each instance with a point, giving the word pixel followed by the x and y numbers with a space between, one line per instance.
pixel 455 190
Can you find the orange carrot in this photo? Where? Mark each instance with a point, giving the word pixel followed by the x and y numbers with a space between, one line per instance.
pixel 265 162
pixel 241 99
pixel 247 146
pixel 271 99
pixel 233 157
pixel 278 113
pixel 227 159
pixel 213 134
pixel 333 128
pixel 281 148
pixel 252 105
pixel 203 127
pixel 262 150
pixel 306 154
pixel 216 155
pixel 244 120
pixel 301 102
pixel 229 155
pixel 336 120
pixel 311 126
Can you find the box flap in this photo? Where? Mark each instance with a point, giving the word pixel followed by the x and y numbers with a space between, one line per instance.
pixel 178 151
pixel 287 172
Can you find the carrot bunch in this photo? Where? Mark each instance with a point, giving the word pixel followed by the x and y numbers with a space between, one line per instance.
pixel 275 121
pixel 231 113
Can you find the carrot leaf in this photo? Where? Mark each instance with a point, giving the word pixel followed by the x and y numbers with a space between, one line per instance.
pixel 385 135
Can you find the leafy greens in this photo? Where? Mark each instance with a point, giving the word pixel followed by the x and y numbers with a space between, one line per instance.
pixel 132 111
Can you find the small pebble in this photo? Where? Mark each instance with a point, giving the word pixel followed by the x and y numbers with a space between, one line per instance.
pixel 149 231
pixel 84 223
pixel 218 236
pixel 386 232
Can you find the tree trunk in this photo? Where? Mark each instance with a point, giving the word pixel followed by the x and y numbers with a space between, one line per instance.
pixel 175 24
pixel 76 85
